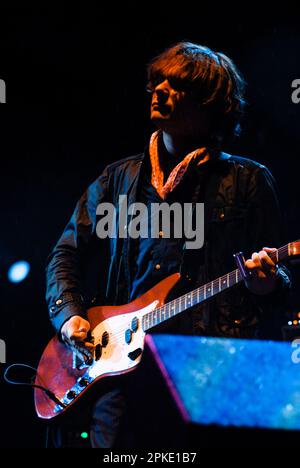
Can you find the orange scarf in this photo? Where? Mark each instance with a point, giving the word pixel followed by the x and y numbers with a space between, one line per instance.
pixel 176 175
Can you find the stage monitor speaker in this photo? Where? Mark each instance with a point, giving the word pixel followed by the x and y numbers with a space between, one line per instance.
pixel 214 392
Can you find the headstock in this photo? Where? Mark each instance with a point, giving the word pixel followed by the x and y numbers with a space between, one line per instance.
pixel 294 248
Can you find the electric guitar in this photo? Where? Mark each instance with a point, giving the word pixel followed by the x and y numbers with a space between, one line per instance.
pixel 65 373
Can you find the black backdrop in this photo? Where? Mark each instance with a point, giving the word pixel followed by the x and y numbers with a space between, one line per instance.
pixel 76 101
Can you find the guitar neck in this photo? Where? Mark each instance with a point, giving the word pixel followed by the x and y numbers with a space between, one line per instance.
pixel 204 292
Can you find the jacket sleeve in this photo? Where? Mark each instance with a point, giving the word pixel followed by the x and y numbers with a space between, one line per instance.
pixel 63 268
pixel 265 223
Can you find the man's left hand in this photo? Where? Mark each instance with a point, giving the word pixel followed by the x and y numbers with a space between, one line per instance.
pixel 263 278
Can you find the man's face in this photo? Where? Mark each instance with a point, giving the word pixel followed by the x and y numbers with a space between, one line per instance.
pixel 178 112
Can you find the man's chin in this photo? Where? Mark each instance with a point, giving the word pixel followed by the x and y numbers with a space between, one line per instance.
pixel 159 120
pixel 160 113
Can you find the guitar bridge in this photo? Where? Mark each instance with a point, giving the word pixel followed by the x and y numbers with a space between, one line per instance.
pixel 81 360
pixel 78 362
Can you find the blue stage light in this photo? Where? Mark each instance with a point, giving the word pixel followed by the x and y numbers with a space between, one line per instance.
pixel 18 271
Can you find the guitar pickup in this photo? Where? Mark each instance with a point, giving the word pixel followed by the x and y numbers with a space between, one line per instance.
pixel 133 355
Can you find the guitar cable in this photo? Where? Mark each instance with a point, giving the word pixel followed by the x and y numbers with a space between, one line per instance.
pixel 48 392
pixel 32 385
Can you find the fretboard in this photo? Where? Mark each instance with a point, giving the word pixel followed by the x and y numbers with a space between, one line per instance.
pixel 202 293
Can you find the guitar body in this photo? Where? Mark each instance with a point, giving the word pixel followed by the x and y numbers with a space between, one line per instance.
pixel 118 338
pixel 118 334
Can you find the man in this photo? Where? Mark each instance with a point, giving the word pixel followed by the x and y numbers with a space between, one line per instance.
pixel 197 101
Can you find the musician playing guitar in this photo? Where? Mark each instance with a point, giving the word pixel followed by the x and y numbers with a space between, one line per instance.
pixel 196 105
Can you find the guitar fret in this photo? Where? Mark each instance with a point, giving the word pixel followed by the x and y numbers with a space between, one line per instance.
pixel 208 290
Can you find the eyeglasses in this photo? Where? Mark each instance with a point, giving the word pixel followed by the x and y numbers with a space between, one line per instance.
pixel 178 84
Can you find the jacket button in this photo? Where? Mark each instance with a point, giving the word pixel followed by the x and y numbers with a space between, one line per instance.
pixel 222 216
pixel 157 266
pixel 58 302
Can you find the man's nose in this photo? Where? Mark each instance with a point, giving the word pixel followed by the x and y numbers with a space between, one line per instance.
pixel 163 90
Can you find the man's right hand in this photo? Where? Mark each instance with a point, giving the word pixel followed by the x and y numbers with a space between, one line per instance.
pixel 75 330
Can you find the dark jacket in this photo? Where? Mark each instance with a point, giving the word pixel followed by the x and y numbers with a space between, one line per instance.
pixel 241 214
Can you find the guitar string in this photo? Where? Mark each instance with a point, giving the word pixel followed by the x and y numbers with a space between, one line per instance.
pixel 181 300
pixel 215 285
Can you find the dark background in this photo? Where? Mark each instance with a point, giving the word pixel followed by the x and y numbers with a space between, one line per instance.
pixel 76 101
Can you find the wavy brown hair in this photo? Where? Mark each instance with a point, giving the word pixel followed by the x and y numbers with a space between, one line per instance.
pixel 210 77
